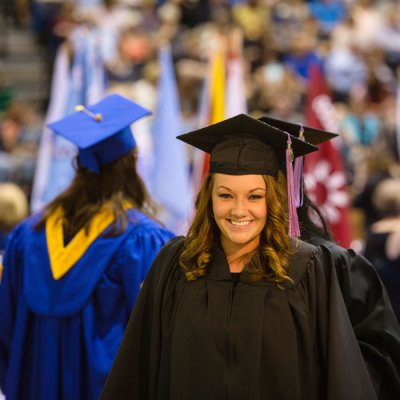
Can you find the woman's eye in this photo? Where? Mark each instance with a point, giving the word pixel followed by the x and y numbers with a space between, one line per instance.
pixel 224 196
pixel 255 197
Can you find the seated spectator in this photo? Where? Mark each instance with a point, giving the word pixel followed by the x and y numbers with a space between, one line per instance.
pixel 20 129
pixel 6 94
pixel 360 127
pixel 302 55
pixel 328 14
pixel 388 37
pixel 379 166
pixel 344 67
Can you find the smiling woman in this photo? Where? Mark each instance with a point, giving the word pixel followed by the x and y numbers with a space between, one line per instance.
pixel 240 309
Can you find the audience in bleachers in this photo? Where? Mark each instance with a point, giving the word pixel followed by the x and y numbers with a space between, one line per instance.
pixel 354 42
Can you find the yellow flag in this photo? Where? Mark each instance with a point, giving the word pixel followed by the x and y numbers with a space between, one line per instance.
pixel 217 87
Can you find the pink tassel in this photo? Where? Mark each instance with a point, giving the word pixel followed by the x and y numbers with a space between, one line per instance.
pixel 294 230
pixel 298 175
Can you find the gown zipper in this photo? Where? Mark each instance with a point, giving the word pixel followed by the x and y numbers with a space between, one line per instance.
pixel 229 340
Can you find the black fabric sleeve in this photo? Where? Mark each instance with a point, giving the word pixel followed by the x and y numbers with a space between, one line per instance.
pixel 373 320
pixel 345 370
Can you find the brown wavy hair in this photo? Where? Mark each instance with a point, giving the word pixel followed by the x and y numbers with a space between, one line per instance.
pixel 116 185
pixel 269 261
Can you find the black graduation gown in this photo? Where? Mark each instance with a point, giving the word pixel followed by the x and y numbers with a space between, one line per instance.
pixel 210 340
pixel 388 269
pixel 372 317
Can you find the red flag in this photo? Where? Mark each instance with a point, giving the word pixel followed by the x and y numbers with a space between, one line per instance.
pixel 324 176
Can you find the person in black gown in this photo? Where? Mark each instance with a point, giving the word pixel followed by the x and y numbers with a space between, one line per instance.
pixel 368 296
pixel 370 301
pixel 239 308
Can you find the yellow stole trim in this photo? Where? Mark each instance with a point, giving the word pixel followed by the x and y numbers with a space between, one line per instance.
pixel 63 258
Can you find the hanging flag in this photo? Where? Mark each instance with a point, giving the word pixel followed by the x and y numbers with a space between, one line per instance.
pixel 398 121
pixel 235 88
pixel 56 110
pixel 80 83
pixel 324 175
pixel 170 183
pixel 235 92
pixel 95 75
pixel 217 88
pixel 212 109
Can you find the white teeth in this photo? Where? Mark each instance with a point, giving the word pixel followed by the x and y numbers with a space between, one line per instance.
pixel 239 223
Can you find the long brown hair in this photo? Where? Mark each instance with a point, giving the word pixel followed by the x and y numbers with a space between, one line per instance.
pixel 116 185
pixel 270 261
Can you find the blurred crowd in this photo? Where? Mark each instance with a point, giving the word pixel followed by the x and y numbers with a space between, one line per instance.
pixel 356 42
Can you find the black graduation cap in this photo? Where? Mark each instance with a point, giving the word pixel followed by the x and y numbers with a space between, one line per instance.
pixel 244 145
pixel 311 135
pixel 101 131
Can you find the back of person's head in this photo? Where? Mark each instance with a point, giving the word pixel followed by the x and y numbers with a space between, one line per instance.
pixel 115 186
pixel 386 197
pixel 116 182
pixel 13 206
pixel 379 162
pixel 312 222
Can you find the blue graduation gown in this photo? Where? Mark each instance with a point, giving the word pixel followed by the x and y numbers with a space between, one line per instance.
pixel 59 337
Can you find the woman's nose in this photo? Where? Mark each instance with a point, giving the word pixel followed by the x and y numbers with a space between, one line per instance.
pixel 239 208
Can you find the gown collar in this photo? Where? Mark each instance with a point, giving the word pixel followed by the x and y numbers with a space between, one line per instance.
pixel 218 269
pixel 64 256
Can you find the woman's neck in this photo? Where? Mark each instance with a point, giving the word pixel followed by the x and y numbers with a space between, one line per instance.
pixel 238 257
pixel 237 264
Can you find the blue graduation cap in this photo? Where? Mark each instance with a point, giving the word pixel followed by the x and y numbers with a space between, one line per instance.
pixel 101 131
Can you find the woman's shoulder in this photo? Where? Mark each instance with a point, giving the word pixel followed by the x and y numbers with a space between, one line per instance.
pixel 172 248
pixel 342 257
pixel 315 258
pixel 299 246
pixel 25 227
pixel 142 220
pixel 143 238
pixel 349 266
pixel 303 258
pixel 165 267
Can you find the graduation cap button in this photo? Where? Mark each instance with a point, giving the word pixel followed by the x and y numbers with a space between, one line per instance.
pixel 96 117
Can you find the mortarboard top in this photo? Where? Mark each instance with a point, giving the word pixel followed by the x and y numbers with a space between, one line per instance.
pixel 101 131
pixel 311 135
pixel 244 145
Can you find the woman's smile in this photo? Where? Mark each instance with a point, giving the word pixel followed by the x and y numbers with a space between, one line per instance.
pixel 240 223
pixel 239 208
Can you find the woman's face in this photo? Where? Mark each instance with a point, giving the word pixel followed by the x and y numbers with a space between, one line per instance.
pixel 240 209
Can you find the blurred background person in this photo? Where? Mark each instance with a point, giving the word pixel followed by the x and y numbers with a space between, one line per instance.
pixel 13 209
pixel 19 139
pixel 382 245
